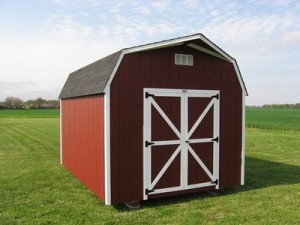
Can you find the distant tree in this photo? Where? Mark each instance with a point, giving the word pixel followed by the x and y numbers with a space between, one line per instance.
pixel 266 106
pixel 30 104
pixel 8 102
pixel 18 103
pixel 283 106
pixel 54 104
pixel 39 102
pixel 13 103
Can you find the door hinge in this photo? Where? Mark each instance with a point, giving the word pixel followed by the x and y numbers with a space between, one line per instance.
pixel 147 191
pixel 215 182
pixel 215 96
pixel 149 95
pixel 147 143
pixel 215 139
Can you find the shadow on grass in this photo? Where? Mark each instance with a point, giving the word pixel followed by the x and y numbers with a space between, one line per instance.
pixel 262 173
pixel 259 174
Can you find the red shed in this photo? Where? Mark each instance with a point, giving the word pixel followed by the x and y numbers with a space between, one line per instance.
pixel 155 120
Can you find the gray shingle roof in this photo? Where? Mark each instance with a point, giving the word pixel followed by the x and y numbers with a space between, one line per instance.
pixel 90 79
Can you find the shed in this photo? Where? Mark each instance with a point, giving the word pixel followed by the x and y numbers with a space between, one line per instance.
pixel 155 120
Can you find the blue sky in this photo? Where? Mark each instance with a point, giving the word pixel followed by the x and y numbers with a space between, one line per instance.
pixel 41 42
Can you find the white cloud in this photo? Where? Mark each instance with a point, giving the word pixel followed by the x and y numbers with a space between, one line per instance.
pixel 143 9
pixel 116 8
pixel 214 13
pixel 291 37
pixel 191 3
pixel 160 5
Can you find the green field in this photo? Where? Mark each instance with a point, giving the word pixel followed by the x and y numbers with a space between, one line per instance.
pixel 29 113
pixel 36 189
pixel 268 118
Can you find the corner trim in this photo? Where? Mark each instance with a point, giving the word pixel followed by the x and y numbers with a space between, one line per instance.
pixel 60 131
pixel 243 141
pixel 107 167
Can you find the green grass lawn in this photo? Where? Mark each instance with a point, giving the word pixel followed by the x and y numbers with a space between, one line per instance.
pixel 36 189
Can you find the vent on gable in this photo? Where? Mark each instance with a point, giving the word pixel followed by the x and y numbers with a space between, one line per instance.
pixel 182 59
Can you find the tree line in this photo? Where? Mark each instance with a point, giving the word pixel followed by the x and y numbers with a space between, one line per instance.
pixel 38 103
pixel 276 106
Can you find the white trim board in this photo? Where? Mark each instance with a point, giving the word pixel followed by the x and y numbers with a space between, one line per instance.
pixel 60 131
pixel 113 73
pixel 243 142
pixel 107 166
pixel 199 48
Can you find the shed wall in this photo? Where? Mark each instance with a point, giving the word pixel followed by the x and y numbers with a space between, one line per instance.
pixel 156 69
pixel 83 140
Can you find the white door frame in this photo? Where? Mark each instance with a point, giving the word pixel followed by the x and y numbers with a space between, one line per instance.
pixel 183 138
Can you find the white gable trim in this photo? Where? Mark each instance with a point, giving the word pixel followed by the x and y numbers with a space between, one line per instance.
pixel 236 68
pixel 111 77
pixel 162 44
pixel 229 58
pixel 199 48
pixel 179 41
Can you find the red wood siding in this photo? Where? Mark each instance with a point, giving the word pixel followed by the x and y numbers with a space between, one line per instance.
pixel 83 140
pixel 156 69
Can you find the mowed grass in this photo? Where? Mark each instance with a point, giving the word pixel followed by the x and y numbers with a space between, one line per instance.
pixel 29 113
pixel 36 189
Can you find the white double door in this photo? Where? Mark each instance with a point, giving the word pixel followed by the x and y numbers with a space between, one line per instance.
pixel 181 140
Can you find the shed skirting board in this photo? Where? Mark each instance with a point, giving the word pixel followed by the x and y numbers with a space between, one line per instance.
pixel 107 147
pixel 60 131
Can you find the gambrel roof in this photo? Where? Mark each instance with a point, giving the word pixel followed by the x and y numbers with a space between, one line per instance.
pixel 90 79
pixel 95 78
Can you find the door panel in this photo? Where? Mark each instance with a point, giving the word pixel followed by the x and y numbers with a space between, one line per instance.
pixel 206 128
pixel 181 136
pixel 205 153
pixel 160 128
pixel 160 156
pixel 196 106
